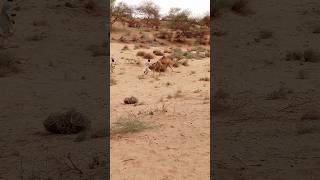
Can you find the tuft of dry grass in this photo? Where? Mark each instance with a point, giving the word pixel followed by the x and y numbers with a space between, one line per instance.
pixel 280 93
pixel 113 82
pixel 125 48
pixel 158 53
pixel 129 124
pixel 204 79
pixel 148 56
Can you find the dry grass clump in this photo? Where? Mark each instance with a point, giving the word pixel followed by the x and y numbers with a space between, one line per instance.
pixel 164 34
pixel 113 82
pixel 148 56
pixel 204 79
pixel 158 53
pixel 130 100
pixel 140 53
pixel 128 124
pixel 125 48
pixel 241 7
pixel 308 55
pixel 8 65
pixel 69 122
pixel 280 93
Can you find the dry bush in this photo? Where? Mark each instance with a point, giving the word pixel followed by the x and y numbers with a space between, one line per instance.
pixel 125 48
pixel 140 53
pixel 177 54
pixel 164 34
pixel 158 53
pixel 204 79
pixel 241 7
pixel 148 56
pixel 294 55
pixel 8 65
pixel 185 63
pixel 69 122
pixel 130 100
pixel 280 93
pixel 113 82
pixel 128 124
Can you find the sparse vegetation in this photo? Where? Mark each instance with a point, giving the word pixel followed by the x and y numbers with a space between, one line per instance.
pixel 128 124
pixel 69 122
pixel 280 93
pixel 130 100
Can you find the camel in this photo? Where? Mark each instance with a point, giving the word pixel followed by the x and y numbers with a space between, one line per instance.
pixel 161 65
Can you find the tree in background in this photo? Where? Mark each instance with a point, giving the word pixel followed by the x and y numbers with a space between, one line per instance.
pixel 120 12
pixel 179 19
pixel 150 12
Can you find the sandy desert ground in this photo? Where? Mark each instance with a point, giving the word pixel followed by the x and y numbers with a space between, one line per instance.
pixel 56 71
pixel 175 105
pixel 267 91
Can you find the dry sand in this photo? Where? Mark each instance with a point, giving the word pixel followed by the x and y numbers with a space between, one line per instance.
pixel 178 145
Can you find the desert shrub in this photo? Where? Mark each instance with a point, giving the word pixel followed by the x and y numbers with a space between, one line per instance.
pixel 125 48
pixel 241 7
pixel 141 53
pixel 158 53
pixel 204 79
pixel 148 56
pixel 128 124
pixel 69 122
pixel 280 93
pixel 130 100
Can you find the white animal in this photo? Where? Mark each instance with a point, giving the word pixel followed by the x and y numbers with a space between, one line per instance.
pixel 147 65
